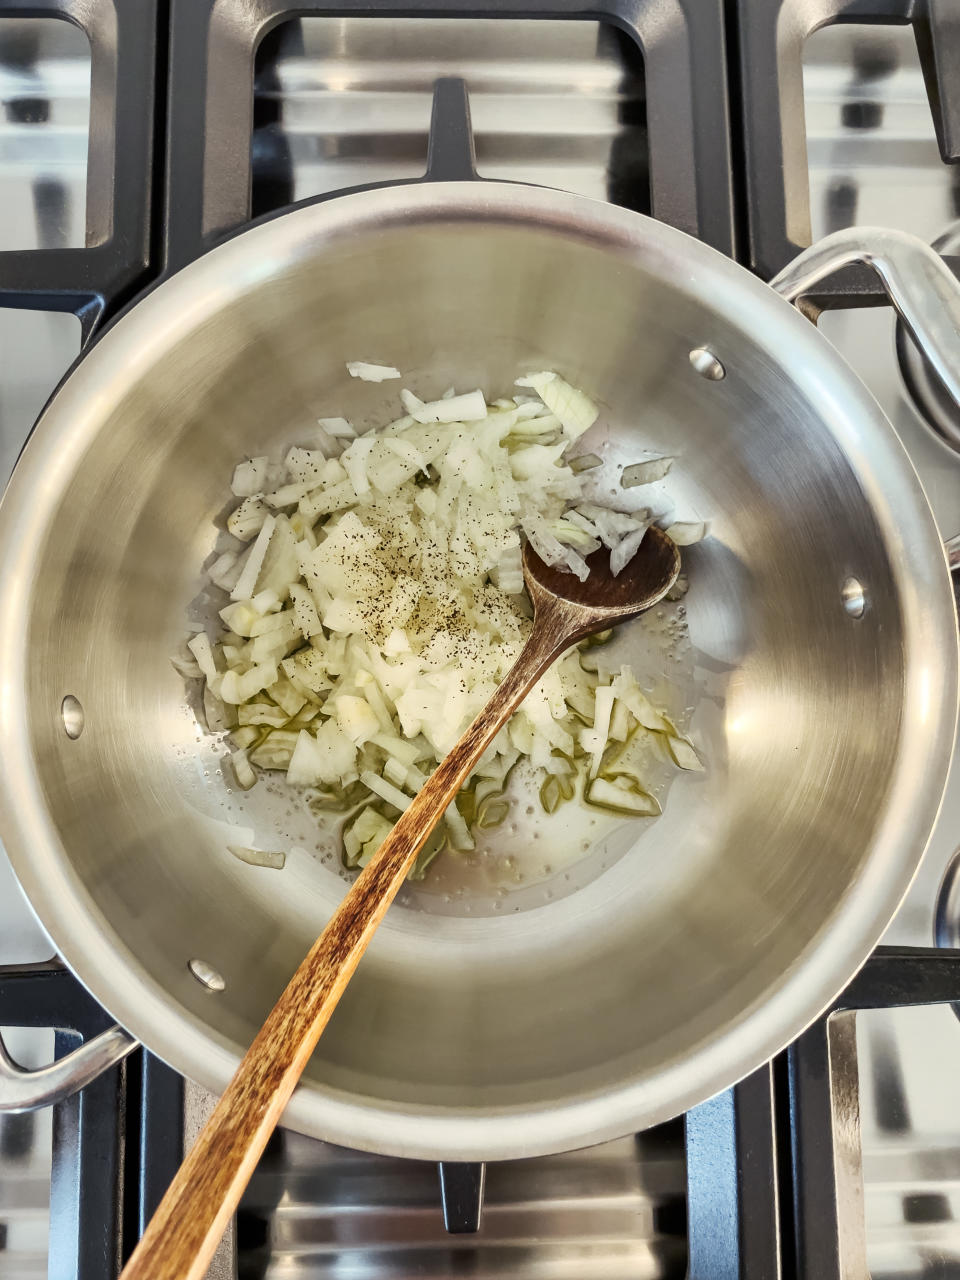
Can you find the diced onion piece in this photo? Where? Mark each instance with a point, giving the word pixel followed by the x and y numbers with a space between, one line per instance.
pixel 288 495
pixel 305 611
pixel 410 401
pixel 535 380
pixel 240 617
pixel 686 532
pixel 684 755
pixel 400 748
pixel 259 857
pixel 186 668
pixel 633 801
pixel 250 478
pixel 624 551
pixel 246 584
pixel 603 708
pixel 508 574
pixel 237 688
pixel 371 372
pixel 248 518
pixel 460 836
pixel 354 459
pixel 215 712
pixel 337 427
pixel 394 772
pixel 242 770
pixel 305 466
pixel 356 718
pixel 253 713
pixel 396 643
pixel 224 571
pixel 369 832
pixel 645 472
pixel 550 550
pixel 637 703
pixel 324 757
pixel 611 526
pixel 385 790
pixel 572 535
pixel 466 408
pixel 584 462
pixel 533 460
pixel 576 411
pixel 276 750
pixel 199 645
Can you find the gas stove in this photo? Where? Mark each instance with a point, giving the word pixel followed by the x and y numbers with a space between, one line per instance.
pixel 133 136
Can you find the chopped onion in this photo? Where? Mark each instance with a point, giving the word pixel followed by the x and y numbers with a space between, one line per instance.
pixel 584 462
pixel 248 518
pixel 189 670
pixel 683 753
pixel 225 571
pixel 337 427
pixel 380 602
pixel 624 551
pixel 645 472
pixel 386 790
pixel 258 857
pixel 242 770
pixel 466 408
pixel 246 583
pixel 250 477
pixel 686 532
pixel 634 801
pixel 371 372
pixel 577 412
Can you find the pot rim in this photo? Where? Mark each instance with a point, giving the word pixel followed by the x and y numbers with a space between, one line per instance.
pixel 913 543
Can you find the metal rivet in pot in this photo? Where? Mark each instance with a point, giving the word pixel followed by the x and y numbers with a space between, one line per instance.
pixel 707 364
pixel 71 712
pixel 206 975
pixel 854 597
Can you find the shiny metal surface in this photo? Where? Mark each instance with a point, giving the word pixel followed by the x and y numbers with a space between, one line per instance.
pixel 722 930
pixel 873 159
pixel 26 1169
pixel 44 124
pixel 872 151
pixel 340 102
pixel 611 1212
pixel 27 1089
pixel 924 293
pixel 926 388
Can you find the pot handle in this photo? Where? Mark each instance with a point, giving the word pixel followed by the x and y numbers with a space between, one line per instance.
pixel 923 290
pixel 22 1090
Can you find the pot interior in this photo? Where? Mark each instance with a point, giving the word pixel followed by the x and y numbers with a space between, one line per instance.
pixel 625 948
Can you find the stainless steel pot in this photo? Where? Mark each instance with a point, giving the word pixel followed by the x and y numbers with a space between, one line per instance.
pixel 821 669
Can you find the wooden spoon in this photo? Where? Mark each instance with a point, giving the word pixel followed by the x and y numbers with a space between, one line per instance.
pixel 183 1234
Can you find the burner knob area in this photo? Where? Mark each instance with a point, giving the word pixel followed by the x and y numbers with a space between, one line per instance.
pixel 923 387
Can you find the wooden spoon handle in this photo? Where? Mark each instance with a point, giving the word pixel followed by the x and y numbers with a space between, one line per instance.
pixel 182 1236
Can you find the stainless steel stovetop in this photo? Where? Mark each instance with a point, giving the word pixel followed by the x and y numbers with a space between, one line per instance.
pixel 342 101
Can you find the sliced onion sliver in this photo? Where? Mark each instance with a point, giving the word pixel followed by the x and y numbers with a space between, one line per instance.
pixel 686 532
pixel 645 472
pixel 273 859
pixel 371 372
pixel 584 462
pixel 624 551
